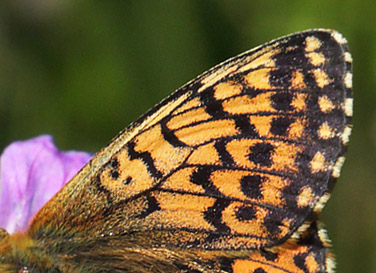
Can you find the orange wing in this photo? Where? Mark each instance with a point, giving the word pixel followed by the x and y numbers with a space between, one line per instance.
pixel 237 160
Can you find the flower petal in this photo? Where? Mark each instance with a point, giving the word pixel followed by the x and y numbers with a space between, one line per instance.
pixel 31 172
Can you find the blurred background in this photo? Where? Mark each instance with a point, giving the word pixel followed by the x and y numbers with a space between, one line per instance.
pixel 83 70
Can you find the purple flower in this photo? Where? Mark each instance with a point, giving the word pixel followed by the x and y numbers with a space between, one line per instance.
pixel 31 172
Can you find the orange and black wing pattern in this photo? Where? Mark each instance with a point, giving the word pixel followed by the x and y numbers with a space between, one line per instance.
pixel 227 174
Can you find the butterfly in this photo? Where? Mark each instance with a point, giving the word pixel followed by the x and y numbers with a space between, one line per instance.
pixel 228 174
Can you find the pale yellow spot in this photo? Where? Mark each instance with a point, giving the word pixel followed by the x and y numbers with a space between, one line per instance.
pixel 247 105
pixel 316 58
pixel 325 131
pixel 311 263
pixel 298 233
pixel 318 163
pixel 346 135
pixel 306 197
pixel 348 57
pixel 192 103
pixel 323 235
pixel 198 134
pixel 312 43
pixel 226 89
pixel 348 80
pixel 321 77
pixel 283 157
pixel 259 78
pixel 296 129
pixel 262 124
pixel 349 107
pixel 297 80
pixel 298 101
pixel 337 167
pixel 325 104
pixel 189 117
pixel 206 154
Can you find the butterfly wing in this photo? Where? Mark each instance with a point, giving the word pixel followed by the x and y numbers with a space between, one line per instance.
pixel 240 158
pixel 308 253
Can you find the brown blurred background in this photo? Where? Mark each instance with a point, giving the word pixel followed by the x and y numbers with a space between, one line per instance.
pixel 82 70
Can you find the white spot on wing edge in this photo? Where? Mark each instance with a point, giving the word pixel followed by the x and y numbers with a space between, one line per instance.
pixel 298 233
pixel 348 80
pixel 339 38
pixel 348 57
pixel 321 203
pixel 323 235
pixel 348 107
pixel 330 264
pixel 346 135
pixel 337 167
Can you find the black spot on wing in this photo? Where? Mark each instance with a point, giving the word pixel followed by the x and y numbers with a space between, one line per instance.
pixel 250 185
pixel 280 126
pixel 281 101
pixel 115 174
pixel 281 77
pixel 245 213
pixel 226 264
pixel 273 221
pixel 260 154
